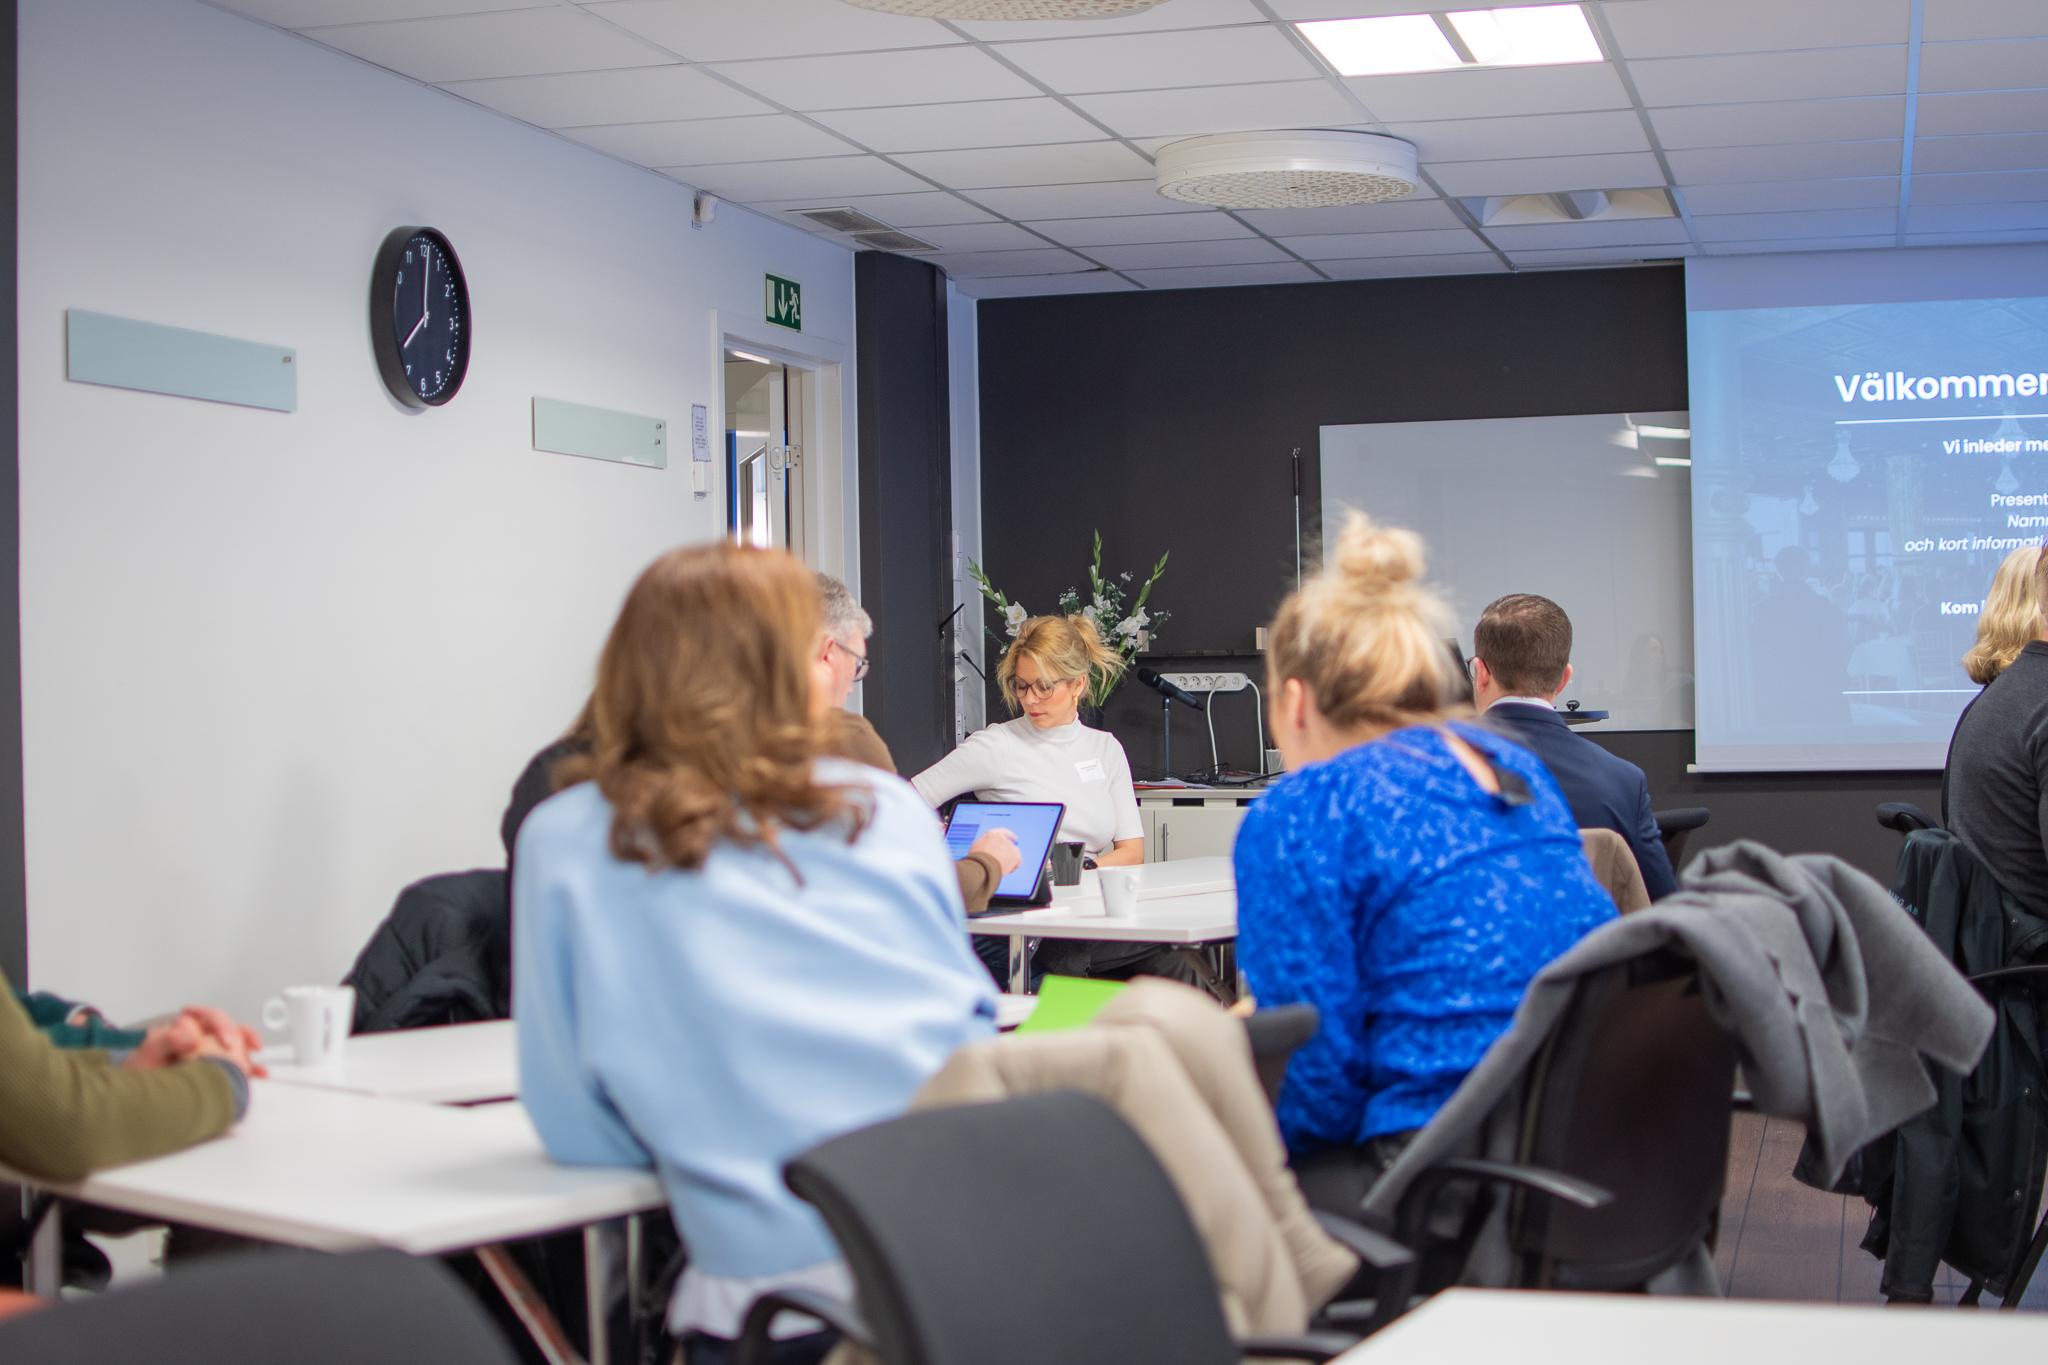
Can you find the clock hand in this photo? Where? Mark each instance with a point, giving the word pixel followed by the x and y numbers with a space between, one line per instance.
pixel 414 332
pixel 426 279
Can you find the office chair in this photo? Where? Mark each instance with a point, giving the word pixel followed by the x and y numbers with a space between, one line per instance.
pixel 1110 1272
pixel 1276 1035
pixel 1903 817
pixel 1676 826
pixel 258 1310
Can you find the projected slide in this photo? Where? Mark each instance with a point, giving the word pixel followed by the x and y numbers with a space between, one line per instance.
pixel 1859 470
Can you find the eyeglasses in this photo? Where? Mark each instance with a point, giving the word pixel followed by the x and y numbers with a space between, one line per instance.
pixel 860 661
pixel 1042 688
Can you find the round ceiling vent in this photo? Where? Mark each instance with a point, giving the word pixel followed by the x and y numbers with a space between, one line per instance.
pixel 1288 170
pixel 991 11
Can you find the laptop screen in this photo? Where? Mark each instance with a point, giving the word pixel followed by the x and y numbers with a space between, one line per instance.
pixel 1035 826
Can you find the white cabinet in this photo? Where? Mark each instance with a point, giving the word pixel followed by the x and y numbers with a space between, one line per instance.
pixel 1191 824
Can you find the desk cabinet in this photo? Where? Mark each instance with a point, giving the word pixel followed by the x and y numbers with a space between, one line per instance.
pixel 1191 824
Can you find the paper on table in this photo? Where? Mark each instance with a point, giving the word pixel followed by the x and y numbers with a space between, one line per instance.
pixel 1068 1002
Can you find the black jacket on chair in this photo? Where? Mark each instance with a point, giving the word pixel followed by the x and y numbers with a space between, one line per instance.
pixel 1960 1182
pixel 443 956
pixel 1604 791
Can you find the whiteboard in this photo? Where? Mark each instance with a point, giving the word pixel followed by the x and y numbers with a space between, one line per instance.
pixel 1576 509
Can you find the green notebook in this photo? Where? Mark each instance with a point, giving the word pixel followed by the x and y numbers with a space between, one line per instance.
pixel 1068 1002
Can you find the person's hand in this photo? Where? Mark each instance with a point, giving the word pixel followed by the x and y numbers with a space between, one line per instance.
pixel 234 1040
pixel 166 1045
pixel 1000 845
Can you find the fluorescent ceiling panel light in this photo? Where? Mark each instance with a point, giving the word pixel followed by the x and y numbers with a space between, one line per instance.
pixel 748 356
pixel 1665 433
pixel 1384 46
pixel 1674 462
pixel 1527 35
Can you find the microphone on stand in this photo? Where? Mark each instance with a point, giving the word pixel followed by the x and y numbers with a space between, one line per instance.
pixel 1171 690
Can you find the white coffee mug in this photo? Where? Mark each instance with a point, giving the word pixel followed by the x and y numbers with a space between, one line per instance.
pixel 1120 891
pixel 318 1019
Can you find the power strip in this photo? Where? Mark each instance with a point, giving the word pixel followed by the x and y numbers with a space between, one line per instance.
pixel 1209 682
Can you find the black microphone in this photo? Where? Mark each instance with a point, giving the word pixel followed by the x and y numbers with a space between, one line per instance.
pixel 1172 690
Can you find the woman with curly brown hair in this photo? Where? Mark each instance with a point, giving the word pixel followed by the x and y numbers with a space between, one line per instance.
pixel 727 947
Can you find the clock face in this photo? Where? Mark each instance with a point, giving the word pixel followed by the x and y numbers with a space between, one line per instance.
pixel 419 317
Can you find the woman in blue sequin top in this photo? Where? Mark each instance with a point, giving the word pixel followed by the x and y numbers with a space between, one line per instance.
pixel 1412 873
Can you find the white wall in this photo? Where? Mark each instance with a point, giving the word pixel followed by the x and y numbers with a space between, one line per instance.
pixel 276 666
pixel 963 368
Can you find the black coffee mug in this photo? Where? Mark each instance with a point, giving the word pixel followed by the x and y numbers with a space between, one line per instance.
pixel 1066 864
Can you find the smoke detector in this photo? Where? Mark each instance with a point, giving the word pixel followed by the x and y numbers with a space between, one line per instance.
pixel 1287 170
pixel 992 11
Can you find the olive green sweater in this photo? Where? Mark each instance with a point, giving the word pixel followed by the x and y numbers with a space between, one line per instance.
pixel 65 1113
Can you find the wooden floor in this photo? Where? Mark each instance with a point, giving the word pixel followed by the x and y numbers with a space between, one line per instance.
pixel 1783 1240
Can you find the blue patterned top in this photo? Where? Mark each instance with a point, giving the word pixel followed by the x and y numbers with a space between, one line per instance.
pixel 1412 907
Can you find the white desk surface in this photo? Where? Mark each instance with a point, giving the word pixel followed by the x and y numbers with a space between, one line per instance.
pixel 336 1171
pixel 1476 1326
pixel 459 1064
pixel 1157 881
pixel 1203 918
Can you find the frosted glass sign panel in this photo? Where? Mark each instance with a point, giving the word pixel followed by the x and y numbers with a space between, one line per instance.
pixel 1593 512
pixel 124 353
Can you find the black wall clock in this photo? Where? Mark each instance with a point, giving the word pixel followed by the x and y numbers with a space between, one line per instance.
pixel 420 323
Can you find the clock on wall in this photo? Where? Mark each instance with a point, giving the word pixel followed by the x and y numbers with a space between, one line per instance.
pixel 420 322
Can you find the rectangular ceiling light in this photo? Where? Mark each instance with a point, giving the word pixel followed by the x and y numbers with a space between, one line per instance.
pixel 1527 35
pixel 1519 35
pixel 1384 46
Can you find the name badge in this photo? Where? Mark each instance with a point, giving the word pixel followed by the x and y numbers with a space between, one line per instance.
pixel 1090 770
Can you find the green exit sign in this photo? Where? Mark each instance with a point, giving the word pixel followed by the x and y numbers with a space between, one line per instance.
pixel 785 303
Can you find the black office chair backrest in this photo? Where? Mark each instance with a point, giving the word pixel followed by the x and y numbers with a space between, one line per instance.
pixel 1676 825
pixel 1016 1233
pixel 1904 817
pixel 1632 1092
pixel 266 1308
pixel 1276 1035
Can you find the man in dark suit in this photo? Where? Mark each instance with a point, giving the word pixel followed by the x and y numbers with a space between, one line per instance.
pixel 1521 660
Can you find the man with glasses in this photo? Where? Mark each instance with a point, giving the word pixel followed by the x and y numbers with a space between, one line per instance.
pixel 843 661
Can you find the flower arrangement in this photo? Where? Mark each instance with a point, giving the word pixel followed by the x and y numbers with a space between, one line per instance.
pixel 1125 631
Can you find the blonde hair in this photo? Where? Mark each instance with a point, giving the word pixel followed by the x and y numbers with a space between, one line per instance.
pixel 1064 648
pixel 1366 635
pixel 700 727
pixel 2012 614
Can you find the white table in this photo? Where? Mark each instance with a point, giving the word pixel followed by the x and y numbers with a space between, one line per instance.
pixel 458 1064
pixel 1535 1328
pixel 1192 902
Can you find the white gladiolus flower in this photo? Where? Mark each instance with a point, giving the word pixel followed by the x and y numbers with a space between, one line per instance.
pixel 1014 617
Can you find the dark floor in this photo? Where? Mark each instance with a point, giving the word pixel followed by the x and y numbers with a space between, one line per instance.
pixel 1783 1240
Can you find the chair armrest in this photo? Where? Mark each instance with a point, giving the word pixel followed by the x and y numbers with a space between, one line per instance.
pixel 1393 1281
pixel 1420 1196
pixel 1376 1249
pixel 840 1316
pixel 2038 972
pixel 1681 818
pixel 1307 1346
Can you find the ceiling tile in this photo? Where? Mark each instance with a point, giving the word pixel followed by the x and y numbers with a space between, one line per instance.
pixel 1556 236
pixel 1179 14
pixel 1686 28
pixel 1495 139
pixel 869 80
pixel 1975 217
pixel 1222 109
pixel 1208 276
pixel 898 210
pixel 1830 73
pixel 1999 111
pixel 709 32
pixel 1341 246
pixel 1146 227
pixel 1749 125
pixel 1161 255
pixel 981 264
pixel 1871 243
pixel 1106 200
pixel 1022 286
pixel 527 42
pixel 1066 163
pixel 1785 196
pixel 309 13
pixel 1951 19
pixel 1993 152
pixel 1403 215
pixel 1492 92
pixel 828 177
pixel 706 142
pixel 1735 227
pixel 2010 65
pixel 1793 161
pixel 2009 187
pixel 1598 255
pixel 641 94
pixel 1545 175
pixel 1154 61
pixel 981 237
pixel 947 127
pixel 1976 238
pixel 1399 267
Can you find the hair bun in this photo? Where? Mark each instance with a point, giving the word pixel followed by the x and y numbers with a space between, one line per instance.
pixel 1372 558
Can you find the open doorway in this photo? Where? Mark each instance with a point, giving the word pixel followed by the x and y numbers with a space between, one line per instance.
pixel 765 406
